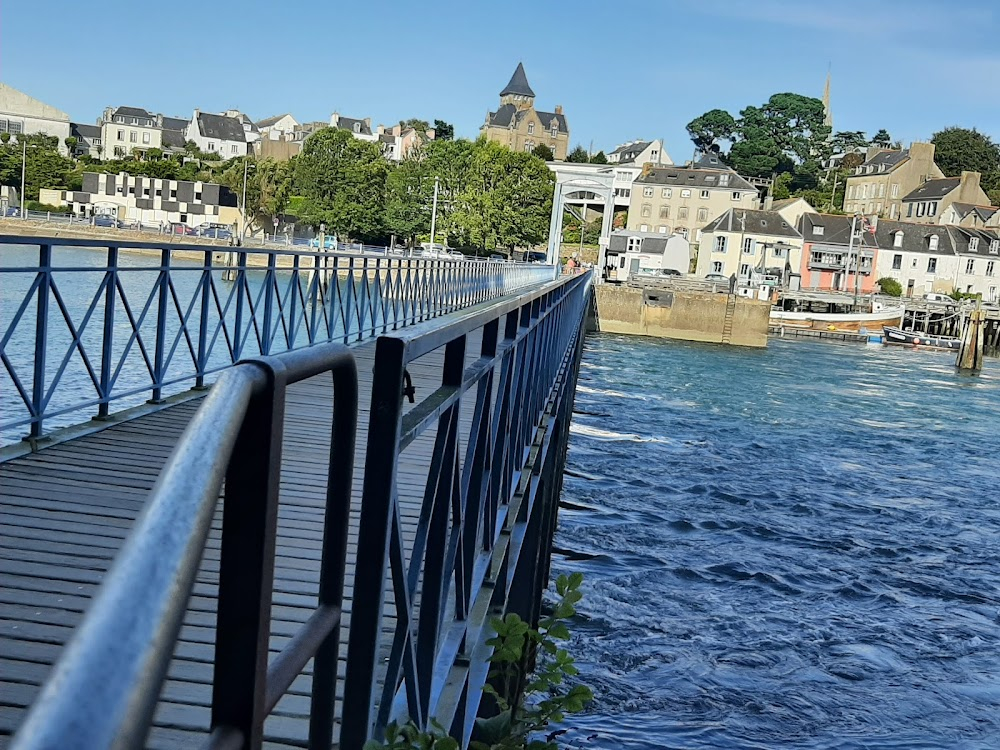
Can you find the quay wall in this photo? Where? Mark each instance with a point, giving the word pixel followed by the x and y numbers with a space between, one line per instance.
pixel 684 315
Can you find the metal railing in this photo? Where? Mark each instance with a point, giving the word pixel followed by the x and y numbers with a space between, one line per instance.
pixel 105 686
pixel 498 423
pixel 86 327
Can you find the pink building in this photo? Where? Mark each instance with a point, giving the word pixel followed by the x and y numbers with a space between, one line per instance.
pixel 829 259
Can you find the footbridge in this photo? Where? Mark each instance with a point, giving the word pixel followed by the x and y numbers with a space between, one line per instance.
pixel 258 498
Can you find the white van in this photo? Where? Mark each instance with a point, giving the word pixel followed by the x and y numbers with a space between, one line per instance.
pixel 940 298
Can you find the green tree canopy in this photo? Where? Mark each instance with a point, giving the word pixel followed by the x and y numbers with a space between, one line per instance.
pixel 443 131
pixel 882 139
pixel 343 181
pixel 599 158
pixel 710 128
pixel 543 152
pixel 421 126
pixel 269 187
pixel 961 149
pixel 409 197
pixel 578 155
pixel 847 140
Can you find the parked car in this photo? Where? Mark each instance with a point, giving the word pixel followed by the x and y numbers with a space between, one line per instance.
pixel 105 220
pixel 940 298
pixel 12 211
pixel 671 272
pixel 329 243
pixel 716 277
pixel 178 228
pixel 215 232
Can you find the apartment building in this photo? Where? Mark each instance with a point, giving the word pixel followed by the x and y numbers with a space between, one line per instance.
pixel 89 139
pixel 968 215
pixel 682 200
pixel 127 131
pixel 920 257
pixel 829 256
pixel 928 203
pixel 878 185
pixel 518 125
pixel 277 127
pixel 744 240
pixel 217 134
pixel 978 267
pixel 640 152
pixel 20 113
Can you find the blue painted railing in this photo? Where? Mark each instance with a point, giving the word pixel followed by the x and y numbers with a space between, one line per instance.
pixel 87 324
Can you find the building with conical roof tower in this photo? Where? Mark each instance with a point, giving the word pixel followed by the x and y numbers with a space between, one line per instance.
pixel 521 127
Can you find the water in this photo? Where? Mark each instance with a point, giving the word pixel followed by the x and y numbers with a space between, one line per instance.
pixel 788 548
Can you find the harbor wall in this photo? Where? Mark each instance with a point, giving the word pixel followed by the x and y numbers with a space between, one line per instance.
pixel 684 315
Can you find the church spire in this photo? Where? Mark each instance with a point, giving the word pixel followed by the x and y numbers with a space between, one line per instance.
pixel 518 85
pixel 827 114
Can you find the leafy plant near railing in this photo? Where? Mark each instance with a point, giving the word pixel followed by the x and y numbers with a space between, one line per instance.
pixel 527 680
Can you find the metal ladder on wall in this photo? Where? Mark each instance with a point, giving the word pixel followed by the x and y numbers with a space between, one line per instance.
pixel 727 326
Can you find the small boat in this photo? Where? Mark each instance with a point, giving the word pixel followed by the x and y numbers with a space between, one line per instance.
pixel 915 338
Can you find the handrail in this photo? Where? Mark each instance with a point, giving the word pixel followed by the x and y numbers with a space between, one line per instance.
pixel 485 525
pixel 103 690
pixel 131 328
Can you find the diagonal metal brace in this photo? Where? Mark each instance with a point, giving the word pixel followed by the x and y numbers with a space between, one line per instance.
pixel 408 390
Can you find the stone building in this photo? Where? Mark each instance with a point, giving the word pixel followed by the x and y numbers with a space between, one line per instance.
pixel 928 203
pixel 521 127
pixel 878 186
pixel 20 113
pixel 744 241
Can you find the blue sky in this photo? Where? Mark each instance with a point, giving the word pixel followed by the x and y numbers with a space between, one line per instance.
pixel 621 70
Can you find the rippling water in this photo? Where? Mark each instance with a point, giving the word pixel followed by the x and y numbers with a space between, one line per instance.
pixel 795 547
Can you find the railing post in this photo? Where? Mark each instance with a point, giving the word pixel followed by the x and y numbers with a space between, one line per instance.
pixel 41 338
pixel 269 292
pixel 246 567
pixel 240 278
pixel 111 278
pixel 161 327
pixel 206 285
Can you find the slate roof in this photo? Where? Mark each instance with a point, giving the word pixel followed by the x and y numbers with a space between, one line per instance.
pixel 84 131
pixel 890 159
pixel 518 83
pixel 268 121
pixel 752 221
pixel 691 177
pixel 711 160
pixel 630 151
pixel 960 237
pixel 133 112
pixel 933 189
pixel 547 117
pixel 218 126
pixel 982 212
pixel 175 123
pixel 916 237
pixel 651 243
pixel 836 230
pixel 348 123
pixel 507 113
pixel 780 204
pixel 174 138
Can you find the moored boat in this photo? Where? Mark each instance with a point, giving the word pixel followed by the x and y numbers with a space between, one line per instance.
pixel 916 338
pixel 833 311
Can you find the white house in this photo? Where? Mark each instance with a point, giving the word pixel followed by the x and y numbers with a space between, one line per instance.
pixel 360 129
pixel 630 253
pixel 250 130
pixel 640 152
pixel 277 128
pixel 217 134
pixel 20 113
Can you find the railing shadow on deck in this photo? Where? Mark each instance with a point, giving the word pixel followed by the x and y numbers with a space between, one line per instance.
pixel 126 321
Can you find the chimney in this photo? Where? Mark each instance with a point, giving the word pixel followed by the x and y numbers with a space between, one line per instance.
pixel 968 185
pixel 558 109
pixel 334 119
pixel 368 122
pixel 197 114
pixel 647 167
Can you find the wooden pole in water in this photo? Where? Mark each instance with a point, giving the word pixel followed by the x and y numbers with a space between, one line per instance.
pixel 970 354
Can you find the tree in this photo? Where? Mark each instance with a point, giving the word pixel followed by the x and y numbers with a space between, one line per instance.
pixel 707 130
pixel 71 143
pixel 882 139
pixel 960 149
pixel 543 152
pixel 846 141
pixel 268 187
pixel 890 286
pixel 443 131
pixel 780 190
pixel 578 155
pixel 409 195
pixel 343 181
pixel 5 138
pixel 421 126
pixel 599 158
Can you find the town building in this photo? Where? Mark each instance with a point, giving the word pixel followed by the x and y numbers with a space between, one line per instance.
pixel 880 183
pixel 630 253
pixel 743 241
pixel 360 129
pixel 217 134
pixel 640 152
pixel 278 127
pixel 978 267
pixel 128 131
pixel 928 202
pixel 682 200
pixel 20 113
pixel 921 257
pixel 153 202
pixel 399 141
pixel 968 215
pixel 174 133
pixel 251 133
pixel 829 256
pixel 521 127
pixel 89 139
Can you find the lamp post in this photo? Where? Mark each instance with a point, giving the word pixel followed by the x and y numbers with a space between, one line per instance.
pixel 24 162
pixel 243 204
pixel 434 211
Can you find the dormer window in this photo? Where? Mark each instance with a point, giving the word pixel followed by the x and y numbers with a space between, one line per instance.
pixel 897 239
pixel 973 244
pixel 531 128
pixel 357 127
pixel 995 246
pixel 932 242
pixel 723 180
pixel 818 231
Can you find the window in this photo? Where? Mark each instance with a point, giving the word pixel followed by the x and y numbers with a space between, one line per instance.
pixel 211 145
pixel 647 210
pixel 745 270
pixel 723 180
pixel 145 192
pixel 779 252
pixel 683 232
pixel 720 244
pixel 749 245
pixel 921 208
pixel 702 214
pixel 914 263
pixel 662 229
pixel 682 212
pixel 133 137
pixel 234 148
pixel 159 192
pixel 634 244
pixel 531 128
pixel 894 192
pixel 666 193
pixel 644 227
pixel 931 265
pixel 173 193
pixel 932 208
pixel 528 146
pixel 647 192
pixel 932 243
pixel 717 266
pixel 970 266
pixel 704 195
pixel 131 190
pixel 989 268
pixel 881 190
pixel 145 138
pixel 97 141
pixel 184 218
pixel 818 230
pixel 897 261
pixel 850 191
pixel 121 135
pixel 685 193
pixel 994 246
pixel 909 210
pixel 135 121
pixel 197 195
pixel 664 212
pixel 973 244
pixel 119 151
pixel 897 239
pixel 737 195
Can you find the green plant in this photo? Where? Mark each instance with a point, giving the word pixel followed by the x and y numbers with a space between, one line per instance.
pixel 410 737
pixel 890 287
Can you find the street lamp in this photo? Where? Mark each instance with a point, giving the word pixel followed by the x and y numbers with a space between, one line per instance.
pixel 24 162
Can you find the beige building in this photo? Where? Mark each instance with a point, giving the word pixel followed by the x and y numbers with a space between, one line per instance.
pixel 521 127
pixel 20 113
pixel 742 241
pixel 682 200
pixel 128 130
pixel 968 215
pixel 929 202
pixel 878 186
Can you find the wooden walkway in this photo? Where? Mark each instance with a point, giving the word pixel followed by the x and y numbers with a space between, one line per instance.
pixel 65 511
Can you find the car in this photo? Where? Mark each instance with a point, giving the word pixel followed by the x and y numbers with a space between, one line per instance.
pixel 329 243
pixel 12 211
pixel 106 220
pixel 939 298
pixel 178 228
pixel 716 277
pixel 218 233
pixel 669 272
pixel 497 256
pixel 456 255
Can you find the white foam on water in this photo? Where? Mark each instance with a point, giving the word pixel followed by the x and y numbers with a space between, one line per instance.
pixel 601 434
